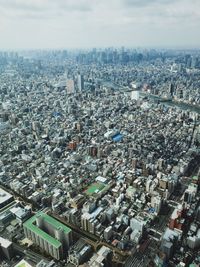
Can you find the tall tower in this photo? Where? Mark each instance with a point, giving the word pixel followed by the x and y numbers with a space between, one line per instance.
pixel 70 86
pixel 80 83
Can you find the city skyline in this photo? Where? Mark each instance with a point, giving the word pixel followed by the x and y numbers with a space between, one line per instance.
pixel 61 24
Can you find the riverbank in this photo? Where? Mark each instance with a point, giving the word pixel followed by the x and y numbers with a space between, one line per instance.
pixel 173 103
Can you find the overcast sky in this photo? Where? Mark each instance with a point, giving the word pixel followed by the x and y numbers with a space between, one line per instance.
pixel 99 23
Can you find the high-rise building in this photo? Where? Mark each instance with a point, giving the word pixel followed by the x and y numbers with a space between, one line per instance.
pixel 156 203
pixel 137 223
pixel 101 258
pixel 169 241
pixel 193 241
pixel 70 86
pixel 79 252
pixel 49 234
pixel 108 233
pixel 6 249
pixel 80 82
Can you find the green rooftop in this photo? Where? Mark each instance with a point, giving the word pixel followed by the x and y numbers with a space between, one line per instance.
pixel 30 224
pixel 22 265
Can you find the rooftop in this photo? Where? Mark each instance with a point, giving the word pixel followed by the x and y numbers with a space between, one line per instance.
pixel 4 196
pixel 30 224
pixel 23 263
pixel 4 243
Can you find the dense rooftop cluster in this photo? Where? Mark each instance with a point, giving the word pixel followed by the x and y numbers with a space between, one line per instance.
pixel 118 167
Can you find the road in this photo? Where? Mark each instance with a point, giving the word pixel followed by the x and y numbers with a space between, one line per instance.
pixel 33 256
pixel 90 238
pixel 141 258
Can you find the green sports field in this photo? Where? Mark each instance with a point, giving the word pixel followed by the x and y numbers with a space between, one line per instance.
pixel 21 265
pixel 94 188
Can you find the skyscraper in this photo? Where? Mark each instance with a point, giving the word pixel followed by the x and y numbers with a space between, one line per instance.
pixel 70 86
pixel 80 82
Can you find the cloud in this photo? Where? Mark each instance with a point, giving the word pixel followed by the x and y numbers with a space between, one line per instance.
pixel 64 23
pixel 163 12
pixel 44 8
pixel 144 3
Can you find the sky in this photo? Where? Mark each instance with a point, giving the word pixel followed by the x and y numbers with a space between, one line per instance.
pixel 59 24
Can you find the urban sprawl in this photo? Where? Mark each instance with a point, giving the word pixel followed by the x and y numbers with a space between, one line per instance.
pixel 100 158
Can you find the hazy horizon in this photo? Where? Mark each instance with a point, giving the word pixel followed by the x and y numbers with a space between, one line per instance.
pixel 68 24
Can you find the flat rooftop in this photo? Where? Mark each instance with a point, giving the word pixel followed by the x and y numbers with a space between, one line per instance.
pixel 23 263
pixel 4 196
pixel 4 243
pixel 31 225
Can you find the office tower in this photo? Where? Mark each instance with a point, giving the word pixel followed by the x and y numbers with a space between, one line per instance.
pixel 156 203
pixel 6 249
pixel 169 241
pixel 49 234
pixel 137 224
pixel 171 89
pixel 108 233
pixel 70 86
pixel 80 82
pixel 193 241
pixel 79 252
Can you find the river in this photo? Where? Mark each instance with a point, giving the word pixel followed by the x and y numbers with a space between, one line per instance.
pixel 182 106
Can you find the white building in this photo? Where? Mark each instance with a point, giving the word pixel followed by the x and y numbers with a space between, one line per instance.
pixel 6 249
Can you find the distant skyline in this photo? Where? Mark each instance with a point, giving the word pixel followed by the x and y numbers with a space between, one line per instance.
pixel 60 24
